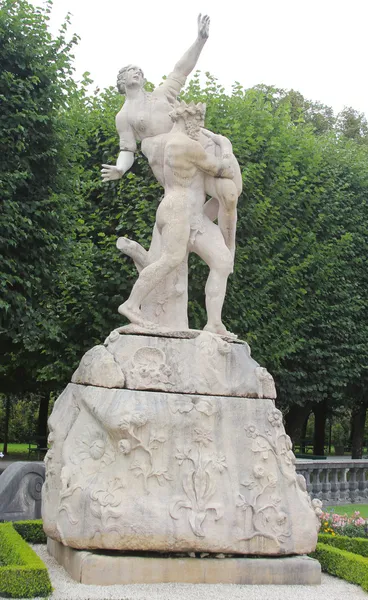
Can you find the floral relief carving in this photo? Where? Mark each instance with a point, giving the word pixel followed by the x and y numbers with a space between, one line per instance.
pixel 105 498
pixel 261 507
pixel 261 504
pixel 149 367
pixel 199 481
pixel 148 442
pixel 185 404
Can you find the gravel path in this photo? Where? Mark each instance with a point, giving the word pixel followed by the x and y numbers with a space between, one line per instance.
pixel 67 589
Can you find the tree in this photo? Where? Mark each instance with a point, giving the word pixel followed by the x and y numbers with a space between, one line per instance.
pixel 36 211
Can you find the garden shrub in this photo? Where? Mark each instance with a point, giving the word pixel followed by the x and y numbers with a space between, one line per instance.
pixel 22 572
pixel 343 564
pixel 31 531
pixel 355 545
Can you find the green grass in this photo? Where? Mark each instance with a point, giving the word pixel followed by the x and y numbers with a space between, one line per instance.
pixel 349 509
pixel 16 451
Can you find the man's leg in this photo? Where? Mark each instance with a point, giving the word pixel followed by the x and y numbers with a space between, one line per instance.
pixel 211 247
pixel 225 192
pixel 175 236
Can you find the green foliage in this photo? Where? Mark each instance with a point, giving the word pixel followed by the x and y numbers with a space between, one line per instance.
pixel 343 564
pixel 31 531
pixel 350 544
pixel 22 572
pixel 23 418
pixel 37 205
pixel 299 292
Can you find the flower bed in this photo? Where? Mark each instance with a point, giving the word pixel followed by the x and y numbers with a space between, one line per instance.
pixel 351 526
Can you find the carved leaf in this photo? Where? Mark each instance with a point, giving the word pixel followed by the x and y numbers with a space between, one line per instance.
pixel 261 445
pixel 211 487
pixel 200 483
pixel 206 407
pixel 182 405
pixel 242 502
pixel 196 519
pixel 218 508
pixel 176 506
pixel 188 487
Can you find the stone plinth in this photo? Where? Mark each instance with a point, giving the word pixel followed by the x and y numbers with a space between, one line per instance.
pixel 109 569
pixel 144 470
pixel 202 363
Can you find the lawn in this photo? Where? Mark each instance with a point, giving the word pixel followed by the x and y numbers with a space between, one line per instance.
pixel 349 509
pixel 16 451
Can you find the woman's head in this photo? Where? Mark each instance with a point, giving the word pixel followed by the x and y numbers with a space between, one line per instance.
pixel 130 76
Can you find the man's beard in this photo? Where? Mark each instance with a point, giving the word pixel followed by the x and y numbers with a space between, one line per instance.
pixel 192 130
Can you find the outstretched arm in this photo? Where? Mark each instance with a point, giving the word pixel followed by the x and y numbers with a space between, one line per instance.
pixel 189 60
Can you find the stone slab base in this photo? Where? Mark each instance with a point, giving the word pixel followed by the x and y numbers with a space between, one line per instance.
pixel 107 568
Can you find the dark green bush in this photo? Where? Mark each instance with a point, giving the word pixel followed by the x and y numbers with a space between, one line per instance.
pixel 355 545
pixel 343 564
pixel 31 531
pixel 22 572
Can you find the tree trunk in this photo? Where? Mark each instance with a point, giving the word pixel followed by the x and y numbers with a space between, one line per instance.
pixel 295 421
pixel 6 425
pixel 357 434
pixel 320 416
pixel 42 416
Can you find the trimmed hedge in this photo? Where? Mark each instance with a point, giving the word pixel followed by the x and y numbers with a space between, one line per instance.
pixel 31 531
pixel 355 545
pixel 22 572
pixel 343 564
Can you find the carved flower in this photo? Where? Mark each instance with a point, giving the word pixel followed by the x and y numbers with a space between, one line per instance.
pixel 258 472
pixel 182 455
pixel 317 506
pixel 219 462
pixel 203 436
pixel 251 431
pixel 97 448
pixel 134 419
pixel 275 499
pixel 92 444
pixel 281 518
pixel 111 494
pixel 275 417
pixel 125 446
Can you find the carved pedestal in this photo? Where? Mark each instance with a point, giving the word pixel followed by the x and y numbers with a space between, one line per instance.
pixel 149 452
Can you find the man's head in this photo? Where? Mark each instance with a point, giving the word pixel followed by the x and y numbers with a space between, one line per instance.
pixel 192 115
pixel 128 77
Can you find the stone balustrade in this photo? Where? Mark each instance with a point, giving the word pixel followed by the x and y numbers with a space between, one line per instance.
pixel 335 482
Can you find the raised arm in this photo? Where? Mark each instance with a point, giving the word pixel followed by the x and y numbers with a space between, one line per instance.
pixel 189 60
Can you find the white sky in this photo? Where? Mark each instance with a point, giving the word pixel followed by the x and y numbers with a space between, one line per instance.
pixel 317 47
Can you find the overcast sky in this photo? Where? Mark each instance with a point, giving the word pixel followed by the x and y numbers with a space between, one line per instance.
pixel 317 47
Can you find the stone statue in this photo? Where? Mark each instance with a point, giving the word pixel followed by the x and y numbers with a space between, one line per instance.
pixel 168 439
pixel 146 117
pixel 180 219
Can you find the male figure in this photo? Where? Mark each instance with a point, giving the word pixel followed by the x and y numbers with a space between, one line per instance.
pixel 145 116
pixel 180 219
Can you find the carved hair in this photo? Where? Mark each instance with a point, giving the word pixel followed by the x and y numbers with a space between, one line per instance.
pixel 120 82
pixel 182 109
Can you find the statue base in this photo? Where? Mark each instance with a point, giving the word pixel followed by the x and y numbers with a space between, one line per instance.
pixel 107 568
pixel 165 444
